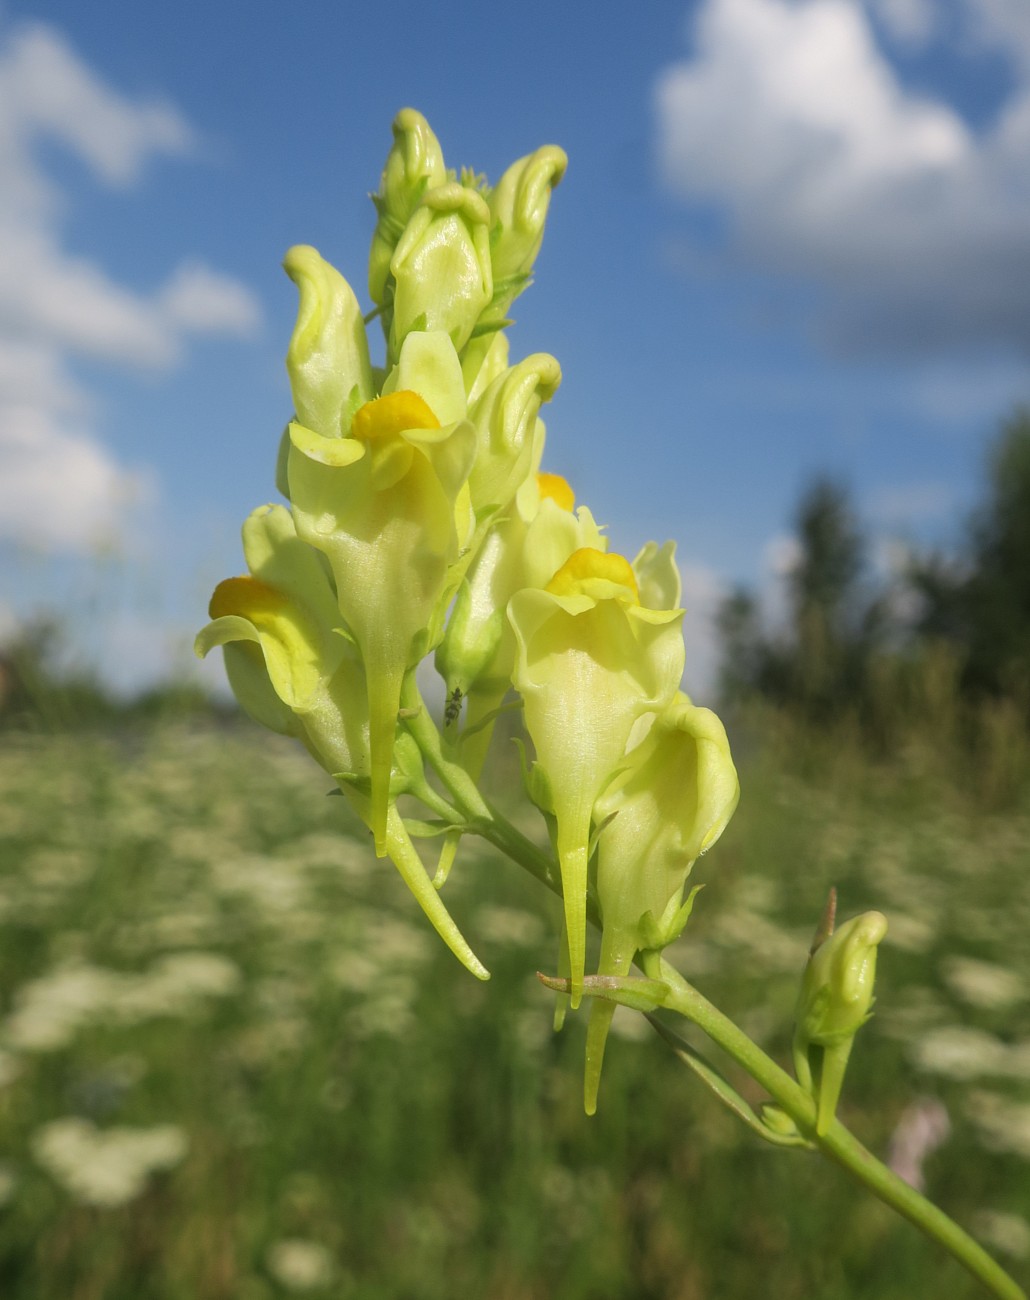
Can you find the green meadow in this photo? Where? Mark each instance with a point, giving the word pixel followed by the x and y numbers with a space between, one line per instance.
pixel 236 1062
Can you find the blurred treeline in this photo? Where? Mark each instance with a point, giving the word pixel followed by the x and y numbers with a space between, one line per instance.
pixel 930 662
pixel 40 691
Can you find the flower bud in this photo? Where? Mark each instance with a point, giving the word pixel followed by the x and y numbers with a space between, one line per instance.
pixel 835 1001
pixel 413 165
pixel 518 208
pixel 505 418
pixel 327 359
pixel 441 267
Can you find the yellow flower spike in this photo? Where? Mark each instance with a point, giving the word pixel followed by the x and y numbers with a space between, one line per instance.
pixel 670 800
pixel 590 661
pixel 387 524
pixel 552 487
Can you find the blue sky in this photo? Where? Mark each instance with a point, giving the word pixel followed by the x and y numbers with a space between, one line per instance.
pixel 793 237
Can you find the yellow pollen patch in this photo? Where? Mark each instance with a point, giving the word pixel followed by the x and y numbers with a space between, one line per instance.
pixel 246 597
pixel 586 565
pixel 392 414
pixel 554 488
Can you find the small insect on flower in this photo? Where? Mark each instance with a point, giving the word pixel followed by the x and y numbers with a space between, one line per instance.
pixel 453 707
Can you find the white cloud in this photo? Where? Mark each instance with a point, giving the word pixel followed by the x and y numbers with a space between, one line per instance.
pixel 46 89
pixel 791 120
pixel 60 488
pixel 199 299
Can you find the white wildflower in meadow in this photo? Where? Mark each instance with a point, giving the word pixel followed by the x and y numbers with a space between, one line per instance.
pixel 982 983
pixel 1003 1124
pixel 510 925
pixel 769 947
pixel 960 1052
pixel 911 933
pixel 1007 1232
pixel 105 1168
pixel 915 1011
pixel 300 1265
pixel 50 1011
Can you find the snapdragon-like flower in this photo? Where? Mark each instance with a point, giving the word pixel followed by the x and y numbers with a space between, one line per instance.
pixel 669 802
pixel 385 499
pixel 590 661
pixel 294 672
pixel 476 658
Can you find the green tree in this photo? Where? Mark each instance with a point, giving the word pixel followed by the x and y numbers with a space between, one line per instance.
pixel 980 601
pixel 819 662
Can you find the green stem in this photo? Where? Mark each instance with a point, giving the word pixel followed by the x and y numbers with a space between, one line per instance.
pixel 483 818
pixel 837 1142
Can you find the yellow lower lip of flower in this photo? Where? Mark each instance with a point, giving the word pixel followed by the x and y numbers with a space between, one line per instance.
pixel 392 414
pixel 246 596
pixel 554 488
pixel 585 566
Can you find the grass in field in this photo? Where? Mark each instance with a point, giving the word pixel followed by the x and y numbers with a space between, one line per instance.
pixel 235 1062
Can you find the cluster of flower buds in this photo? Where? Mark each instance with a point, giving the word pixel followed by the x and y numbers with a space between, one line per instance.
pixel 419 523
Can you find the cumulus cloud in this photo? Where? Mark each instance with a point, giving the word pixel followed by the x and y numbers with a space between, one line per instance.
pixel 789 117
pixel 60 488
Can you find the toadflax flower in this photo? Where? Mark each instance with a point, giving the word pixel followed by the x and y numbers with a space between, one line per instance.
pixel 293 669
pixel 590 661
pixel 381 489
